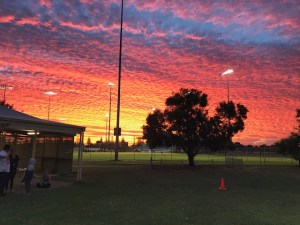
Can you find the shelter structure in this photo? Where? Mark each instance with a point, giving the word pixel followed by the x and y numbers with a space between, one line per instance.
pixel 50 143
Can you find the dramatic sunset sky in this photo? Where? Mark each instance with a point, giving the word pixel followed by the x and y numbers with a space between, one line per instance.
pixel 71 47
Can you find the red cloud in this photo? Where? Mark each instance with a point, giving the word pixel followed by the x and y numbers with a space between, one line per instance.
pixel 77 59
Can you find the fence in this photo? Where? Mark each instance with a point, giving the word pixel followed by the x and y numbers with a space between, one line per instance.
pixel 98 158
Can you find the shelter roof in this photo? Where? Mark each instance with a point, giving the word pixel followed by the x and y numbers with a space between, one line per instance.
pixel 18 121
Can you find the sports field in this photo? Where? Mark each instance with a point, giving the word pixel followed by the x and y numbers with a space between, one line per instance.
pixel 139 195
pixel 181 158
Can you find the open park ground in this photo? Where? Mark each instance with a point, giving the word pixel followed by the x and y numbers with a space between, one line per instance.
pixel 170 195
pixel 167 158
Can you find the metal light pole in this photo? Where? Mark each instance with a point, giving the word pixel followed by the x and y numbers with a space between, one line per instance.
pixel 227 72
pixel 5 87
pixel 110 85
pixel 50 93
pixel 106 116
pixel 119 88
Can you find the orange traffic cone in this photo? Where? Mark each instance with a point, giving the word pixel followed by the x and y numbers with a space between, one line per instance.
pixel 222 185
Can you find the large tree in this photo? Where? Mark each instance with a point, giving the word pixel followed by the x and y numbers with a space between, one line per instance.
pixel 183 123
pixel 228 120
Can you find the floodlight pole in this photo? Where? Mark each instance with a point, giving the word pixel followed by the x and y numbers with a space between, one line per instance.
pixel 5 87
pixel 109 115
pixel 49 93
pixel 106 139
pixel 119 88
pixel 226 73
pixel 227 90
pixel 49 107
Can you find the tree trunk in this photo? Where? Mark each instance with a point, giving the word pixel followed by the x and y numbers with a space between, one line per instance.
pixel 191 160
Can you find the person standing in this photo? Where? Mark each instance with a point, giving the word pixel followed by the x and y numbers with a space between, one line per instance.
pixel 28 175
pixel 14 167
pixel 4 167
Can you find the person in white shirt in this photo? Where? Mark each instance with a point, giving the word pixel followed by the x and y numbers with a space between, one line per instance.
pixel 4 167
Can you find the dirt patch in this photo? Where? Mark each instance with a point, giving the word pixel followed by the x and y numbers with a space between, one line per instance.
pixel 55 183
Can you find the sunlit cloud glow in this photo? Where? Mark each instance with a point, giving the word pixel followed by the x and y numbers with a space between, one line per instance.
pixel 72 47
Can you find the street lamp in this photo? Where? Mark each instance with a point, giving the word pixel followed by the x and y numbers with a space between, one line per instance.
pixel 50 93
pixel 5 87
pixel 110 85
pixel 226 73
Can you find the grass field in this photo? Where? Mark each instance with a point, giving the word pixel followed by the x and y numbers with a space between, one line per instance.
pixel 138 195
pixel 181 159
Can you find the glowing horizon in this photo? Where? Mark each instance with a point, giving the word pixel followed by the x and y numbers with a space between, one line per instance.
pixel 72 50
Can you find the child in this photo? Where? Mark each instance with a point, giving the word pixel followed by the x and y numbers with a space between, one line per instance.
pixel 28 175
pixel 45 181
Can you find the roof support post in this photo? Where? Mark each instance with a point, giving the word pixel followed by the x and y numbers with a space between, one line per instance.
pixel 80 150
pixel 34 144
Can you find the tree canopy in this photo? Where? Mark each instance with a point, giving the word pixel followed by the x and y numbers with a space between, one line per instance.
pixel 228 120
pixel 156 130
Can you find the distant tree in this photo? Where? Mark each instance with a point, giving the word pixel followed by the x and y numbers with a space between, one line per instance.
pixel 183 123
pixel 88 142
pixel 298 120
pixel 3 103
pixel 228 120
pixel 291 144
pixel 238 145
pixel 138 146
pixel 124 145
pixel 140 141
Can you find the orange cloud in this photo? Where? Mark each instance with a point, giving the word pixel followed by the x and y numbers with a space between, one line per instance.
pixel 73 50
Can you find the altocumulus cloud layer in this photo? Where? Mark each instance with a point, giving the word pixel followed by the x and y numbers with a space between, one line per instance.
pixel 71 47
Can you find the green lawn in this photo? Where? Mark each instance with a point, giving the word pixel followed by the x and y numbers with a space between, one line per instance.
pixel 180 158
pixel 138 195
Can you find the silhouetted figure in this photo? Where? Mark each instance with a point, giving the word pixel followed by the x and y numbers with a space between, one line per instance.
pixel 4 167
pixel 14 167
pixel 28 175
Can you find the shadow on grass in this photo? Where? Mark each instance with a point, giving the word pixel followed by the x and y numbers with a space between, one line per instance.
pixel 121 194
